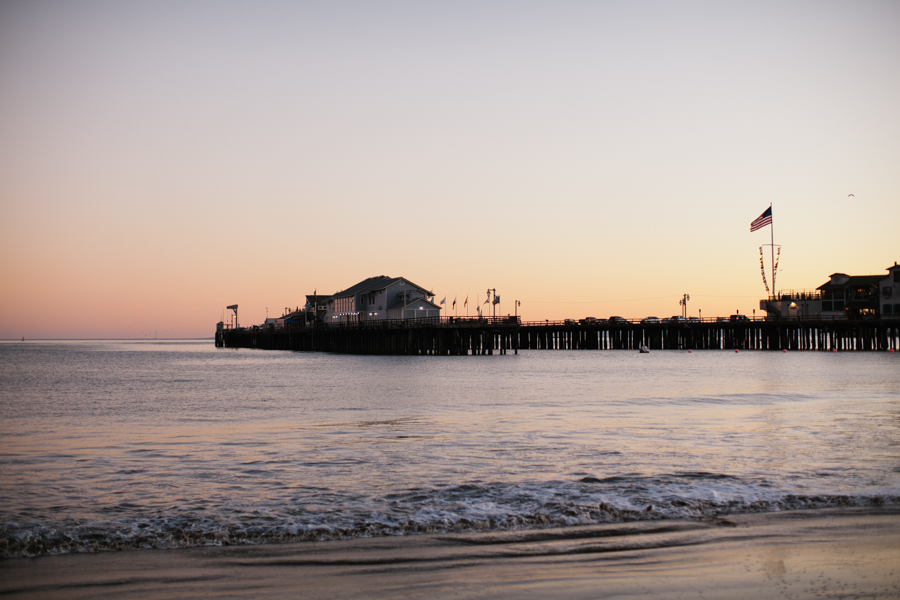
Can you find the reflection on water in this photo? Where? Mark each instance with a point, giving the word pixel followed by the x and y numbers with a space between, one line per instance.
pixel 132 444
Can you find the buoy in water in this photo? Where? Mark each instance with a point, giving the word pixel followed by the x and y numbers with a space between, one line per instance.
pixel 784 351
pixel 736 350
pixel 835 350
pixel 689 351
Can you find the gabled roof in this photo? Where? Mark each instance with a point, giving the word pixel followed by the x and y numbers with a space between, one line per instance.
pixel 853 281
pixel 378 282
pixel 403 304
pixel 415 285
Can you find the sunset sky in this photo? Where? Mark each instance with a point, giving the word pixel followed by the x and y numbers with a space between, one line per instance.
pixel 160 160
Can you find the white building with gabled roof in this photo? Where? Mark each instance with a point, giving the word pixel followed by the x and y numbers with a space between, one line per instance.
pixel 379 298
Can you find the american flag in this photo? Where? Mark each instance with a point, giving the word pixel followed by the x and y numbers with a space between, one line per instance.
pixel 762 220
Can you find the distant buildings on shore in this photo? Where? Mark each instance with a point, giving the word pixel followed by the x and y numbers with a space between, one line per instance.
pixel 842 296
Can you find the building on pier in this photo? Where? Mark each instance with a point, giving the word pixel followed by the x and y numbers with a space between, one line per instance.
pixel 379 298
pixel 841 297
pixel 890 292
pixel 316 307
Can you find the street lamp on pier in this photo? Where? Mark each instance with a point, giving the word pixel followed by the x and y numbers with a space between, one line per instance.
pixel 683 302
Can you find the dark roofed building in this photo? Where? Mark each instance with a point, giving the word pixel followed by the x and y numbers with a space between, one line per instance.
pixel 853 295
pixel 316 306
pixel 381 297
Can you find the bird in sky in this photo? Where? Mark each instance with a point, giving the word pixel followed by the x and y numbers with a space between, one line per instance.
pixel 851 196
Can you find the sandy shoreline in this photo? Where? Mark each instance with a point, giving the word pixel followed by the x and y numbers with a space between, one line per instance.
pixel 803 554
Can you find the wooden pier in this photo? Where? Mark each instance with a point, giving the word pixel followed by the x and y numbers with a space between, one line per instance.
pixel 472 337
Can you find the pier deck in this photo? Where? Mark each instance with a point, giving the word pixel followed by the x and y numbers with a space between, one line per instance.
pixel 489 336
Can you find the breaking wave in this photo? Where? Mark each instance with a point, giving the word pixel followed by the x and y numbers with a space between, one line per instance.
pixel 463 508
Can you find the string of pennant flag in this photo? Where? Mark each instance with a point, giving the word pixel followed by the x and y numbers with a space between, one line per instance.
pixel 762 269
pixel 775 268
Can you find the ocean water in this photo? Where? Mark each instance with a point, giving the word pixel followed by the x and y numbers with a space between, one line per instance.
pixel 109 445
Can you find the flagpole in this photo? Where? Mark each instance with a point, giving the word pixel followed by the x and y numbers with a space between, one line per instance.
pixel 772 232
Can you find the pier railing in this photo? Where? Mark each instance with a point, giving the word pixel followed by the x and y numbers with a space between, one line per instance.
pixel 797 295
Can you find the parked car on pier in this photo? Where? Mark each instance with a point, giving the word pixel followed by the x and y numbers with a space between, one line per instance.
pixel 678 319
pixel 721 319
pixel 693 319
pixel 650 321
pixel 617 321
pixel 736 318
pixel 569 321
pixel 589 320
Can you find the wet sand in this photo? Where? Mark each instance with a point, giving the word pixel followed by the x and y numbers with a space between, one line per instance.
pixel 803 554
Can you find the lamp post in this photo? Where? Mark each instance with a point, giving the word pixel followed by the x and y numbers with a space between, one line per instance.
pixel 683 302
pixel 517 304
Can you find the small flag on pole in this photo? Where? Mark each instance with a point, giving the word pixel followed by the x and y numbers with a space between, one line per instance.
pixel 454 301
pixel 496 299
pixel 466 303
pixel 444 301
pixel 762 220
pixel 486 300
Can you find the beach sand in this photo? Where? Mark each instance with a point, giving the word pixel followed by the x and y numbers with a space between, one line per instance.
pixel 804 554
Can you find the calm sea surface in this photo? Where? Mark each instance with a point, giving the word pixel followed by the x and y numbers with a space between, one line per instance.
pixel 107 445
